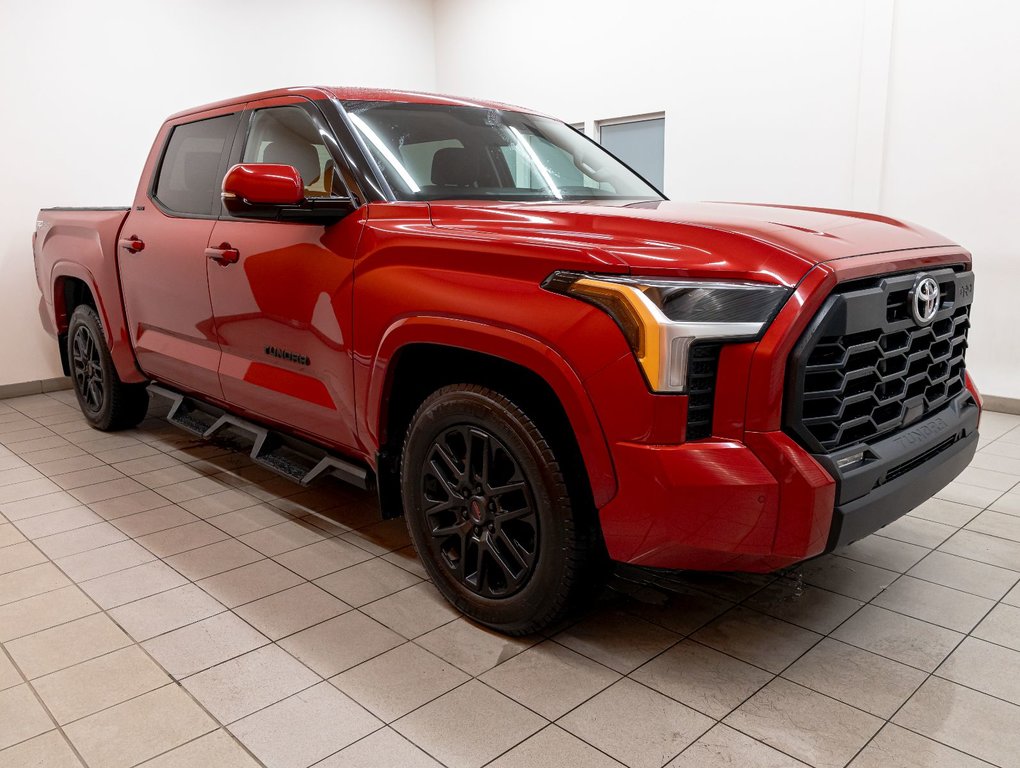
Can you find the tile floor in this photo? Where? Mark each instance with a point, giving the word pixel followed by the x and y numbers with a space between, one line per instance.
pixel 164 602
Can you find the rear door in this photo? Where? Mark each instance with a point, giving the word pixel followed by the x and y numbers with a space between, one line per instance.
pixel 165 284
pixel 283 309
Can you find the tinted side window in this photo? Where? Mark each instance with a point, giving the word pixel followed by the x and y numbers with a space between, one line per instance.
pixel 189 179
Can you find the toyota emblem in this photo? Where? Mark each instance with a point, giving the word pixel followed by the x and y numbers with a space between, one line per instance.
pixel 924 299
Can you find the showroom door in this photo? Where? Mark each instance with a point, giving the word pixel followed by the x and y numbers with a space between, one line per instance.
pixel 283 308
pixel 162 260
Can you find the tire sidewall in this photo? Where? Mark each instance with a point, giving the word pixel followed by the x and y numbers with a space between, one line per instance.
pixel 86 316
pixel 452 407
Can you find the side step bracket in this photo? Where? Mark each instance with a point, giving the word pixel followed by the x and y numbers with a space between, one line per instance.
pixel 295 459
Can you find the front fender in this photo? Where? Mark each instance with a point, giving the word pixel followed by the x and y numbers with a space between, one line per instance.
pixel 514 347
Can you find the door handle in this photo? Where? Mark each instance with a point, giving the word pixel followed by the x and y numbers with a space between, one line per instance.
pixel 223 254
pixel 131 244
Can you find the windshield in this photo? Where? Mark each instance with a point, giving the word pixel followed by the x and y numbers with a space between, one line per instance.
pixel 436 152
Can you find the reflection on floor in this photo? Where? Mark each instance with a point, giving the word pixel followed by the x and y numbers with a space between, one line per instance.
pixel 163 600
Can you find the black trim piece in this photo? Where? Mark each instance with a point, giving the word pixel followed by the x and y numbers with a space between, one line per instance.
pixel 298 460
pixel 87 208
pixel 883 461
pixel 702 368
pixel 887 503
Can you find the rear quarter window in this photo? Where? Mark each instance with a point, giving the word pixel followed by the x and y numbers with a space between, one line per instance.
pixel 189 179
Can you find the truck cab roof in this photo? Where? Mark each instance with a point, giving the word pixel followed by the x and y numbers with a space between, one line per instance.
pixel 351 93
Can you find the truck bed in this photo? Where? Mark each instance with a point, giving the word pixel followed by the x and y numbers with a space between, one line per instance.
pixel 75 249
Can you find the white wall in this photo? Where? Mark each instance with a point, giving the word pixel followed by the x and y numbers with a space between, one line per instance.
pixel 907 107
pixel 86 85
pixel 952 156
pixel 760 97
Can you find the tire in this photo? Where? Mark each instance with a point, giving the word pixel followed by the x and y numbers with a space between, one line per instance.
pixel 488 510
pixel 107 403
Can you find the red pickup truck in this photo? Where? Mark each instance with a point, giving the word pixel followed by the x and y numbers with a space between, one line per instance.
pixel 522 345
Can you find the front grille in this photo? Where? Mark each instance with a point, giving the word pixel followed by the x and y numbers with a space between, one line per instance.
pixel 910 466
pixel 865 368
pixel 701 372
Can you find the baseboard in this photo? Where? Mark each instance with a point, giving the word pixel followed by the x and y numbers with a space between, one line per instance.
pixel 1001 404
pixel 34 387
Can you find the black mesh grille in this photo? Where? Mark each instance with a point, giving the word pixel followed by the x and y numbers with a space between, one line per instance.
pixel 701 371
pixel 909 466
pixel 866 368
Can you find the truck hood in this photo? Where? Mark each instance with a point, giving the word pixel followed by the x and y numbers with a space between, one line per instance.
pixel 774 243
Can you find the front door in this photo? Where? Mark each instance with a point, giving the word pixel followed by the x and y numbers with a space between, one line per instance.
pixel 283 308
pixel 165 288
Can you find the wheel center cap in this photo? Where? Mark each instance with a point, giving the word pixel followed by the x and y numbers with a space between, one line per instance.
pixel 476 510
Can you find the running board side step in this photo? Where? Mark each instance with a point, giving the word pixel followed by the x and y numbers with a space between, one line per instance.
pixel 295 459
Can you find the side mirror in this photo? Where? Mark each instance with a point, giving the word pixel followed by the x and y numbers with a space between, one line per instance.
pixel 277 193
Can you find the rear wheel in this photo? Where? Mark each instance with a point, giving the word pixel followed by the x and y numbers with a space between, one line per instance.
pixel 488 510
pixel 107 403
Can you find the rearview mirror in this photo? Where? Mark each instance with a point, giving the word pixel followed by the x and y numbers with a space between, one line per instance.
pixel 276 192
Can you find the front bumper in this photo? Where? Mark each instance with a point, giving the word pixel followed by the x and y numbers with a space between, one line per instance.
pixel 757 496
pixel 766 503
pixel 908 468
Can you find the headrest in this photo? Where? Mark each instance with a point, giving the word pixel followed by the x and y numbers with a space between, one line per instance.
pixel 454 167
pixel 302 156
pixel 329 180
pixel 200 170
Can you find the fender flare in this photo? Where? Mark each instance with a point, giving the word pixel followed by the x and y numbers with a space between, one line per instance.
pixel 114 322
pixel 509 345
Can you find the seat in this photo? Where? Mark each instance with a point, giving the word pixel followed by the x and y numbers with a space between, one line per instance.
pixel 465 167
pixel 302 156
pixel 330 181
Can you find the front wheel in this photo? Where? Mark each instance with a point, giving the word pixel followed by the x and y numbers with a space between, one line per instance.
pixel 488 510
pixel 107 403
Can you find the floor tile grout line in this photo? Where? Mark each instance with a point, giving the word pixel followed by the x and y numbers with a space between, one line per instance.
pixel 930 673
pixel 780 674
pixel 936 583
pixel 359 607
pixel 940 743
pixel 898 573
pixel 172 678
pixel 44 705
pixel 420 747
pixel 935 673
pixel 976 511
pixel 38 594
pixel 745 599
pixel 928 676
pixel 962 528
pixel 152 659
pixel 957 589
pixel 195 582
pixel 219 727
pixel 985 469
pixel 688 636
pixel 269 642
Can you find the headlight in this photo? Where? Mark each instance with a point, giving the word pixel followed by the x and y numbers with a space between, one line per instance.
pixel 663 318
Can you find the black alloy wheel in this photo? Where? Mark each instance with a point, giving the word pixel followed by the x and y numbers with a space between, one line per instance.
pixel 480 511
pixel 87 369
pixel 488 509
pixel 106 402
